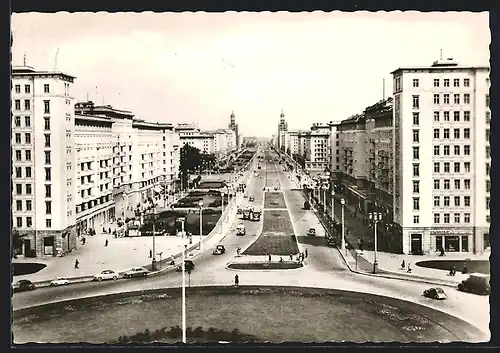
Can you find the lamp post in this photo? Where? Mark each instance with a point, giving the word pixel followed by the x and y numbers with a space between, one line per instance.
pixel 375 217
pixel 333 205
pixel 342 241
pixel 324 200
pixel 201 223
pixel 153 264
pixel 222 214
pixel 183 266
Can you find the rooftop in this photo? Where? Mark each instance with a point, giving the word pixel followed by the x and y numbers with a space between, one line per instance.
pixel 447 64
pixel 29 70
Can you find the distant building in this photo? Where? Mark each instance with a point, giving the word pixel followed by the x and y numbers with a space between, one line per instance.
pixel 233 126
pixel 282 128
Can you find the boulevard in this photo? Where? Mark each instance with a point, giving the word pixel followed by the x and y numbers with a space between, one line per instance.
pixel 324 267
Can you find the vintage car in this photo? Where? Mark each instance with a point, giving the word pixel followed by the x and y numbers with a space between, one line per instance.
pixel 435 293
pixel 311 232
pixel 136 272
pixel 255 216
pixel 59 281
pixel 105 275
pixel 219 250
pixel 23 285
pixel 240 229
pixel 477 283
pixel 188 266
pixel 251 199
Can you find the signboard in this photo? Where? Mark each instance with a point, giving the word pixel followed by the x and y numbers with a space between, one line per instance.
pixel 449 233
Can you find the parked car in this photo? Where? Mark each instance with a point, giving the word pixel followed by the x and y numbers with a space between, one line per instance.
pixel 330 241
pixel 136 272
pixel 251 199
pixel 219 250
pixel 105 275
pixel 477 283
pixel 311 232
pixel 59 281
pixel 435 293
pixel 23 285
pixel 188 266
pixel 240 229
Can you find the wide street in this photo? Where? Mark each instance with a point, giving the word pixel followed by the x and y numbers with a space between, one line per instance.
pixel 324 266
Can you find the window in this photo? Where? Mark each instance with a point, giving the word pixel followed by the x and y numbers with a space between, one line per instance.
pixel 466 133
pixel 487 203
pixel 47 157
pixel 416 219
pixel 17 121
pixel 47 123
pixel 47 140
pixel 416 203
pixel 488 152
pixel 436 99
pixel 446 82
pixel 436 117
pixel 416 153
pixel 48 207
pixel 446 201
pixel 436 201
pixel 446 133
pixel 488 218
pixel 467 201
pixel 456 167
pixel 18 172
pixel 436 184
pixel 446 218
pixel 416 102
pixel 48 174
pixel 46 88
pixel 467 167
pixel 456 98
pixel 488 117
pixel 436 150
pixel 416 120
pixel 457 201
pixel 436 133
pixel 415 136
pixel 28 205
pixel 416 170
pixel 48 191
pixel 28 189
pixel 466 98
pixel 46 107
pixel 48 223
pixel 456 116
pixel 436 82
pixel 18 137
pixel 456 133
pixel 446 184
pixel 466 82
pixel 28 172
pixel 488 135
pixel 488 169
pixel 446 116
pixel 457 184
pixel 17 103
pixel 28 155
pixel 456 217
pixel 415 82
pixel 467 184
pixel 19 222
pixel 437 218
pixel 466 217
pixel 18 155
pixel 27 121
pixel 487 100
pixel 27 138
pixel 18 88
pixel 446 98
pixel 488 186
pixel 27 104
pixel 19 189
pixel 29 222
pixel 19 205
pixel 466 115
pixel 436 167
pixel 456 150
pixel 416 186
pixel 446 150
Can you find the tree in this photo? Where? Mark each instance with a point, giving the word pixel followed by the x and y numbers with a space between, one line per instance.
pixel 208 161
pixel 17 241
pixel 190 160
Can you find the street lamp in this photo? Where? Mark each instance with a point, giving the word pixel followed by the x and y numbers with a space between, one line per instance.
pixel 222 214
pixel 201 223
pixel 324 200
pixel 153 264
pixel 342 241
pixel 375 217
pixel 183 267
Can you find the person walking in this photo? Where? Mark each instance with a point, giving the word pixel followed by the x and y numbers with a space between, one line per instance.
pixel 109 230
pixel 236 280
pixel 465 269
pixel 307 254
pixel 106 242
pixel 77 263
pixel 269 257
pixel 150 253
pixel 291 257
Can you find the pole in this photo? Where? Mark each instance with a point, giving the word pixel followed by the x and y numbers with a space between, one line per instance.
pixel 222 216
pixel 324 201
pixel 183 265
pixel 333 207
pixel 153 265
pixel 375 253
pixel 201 227
pixel 342 246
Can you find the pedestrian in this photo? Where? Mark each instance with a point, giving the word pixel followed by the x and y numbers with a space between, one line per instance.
pixel 465 270
pixel 291 257
pixel 403 265
pixel 103 230
pixel 109 230
pixel 452 270
pixel 306 253
pixel 150 253
pixel 303 256
pixel 77 263
pixel 269 257
pixel 409 268
pixel 236 280
pixel 84 240
pixel 442 252
pixel 106 242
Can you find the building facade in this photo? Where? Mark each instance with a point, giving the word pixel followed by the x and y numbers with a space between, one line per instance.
pixel 317 148
pixel 43 161
pixel 441 157
pixel 234 127
pixel 282 129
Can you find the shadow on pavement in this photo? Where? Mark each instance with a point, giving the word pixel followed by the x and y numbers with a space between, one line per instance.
pixel 313 241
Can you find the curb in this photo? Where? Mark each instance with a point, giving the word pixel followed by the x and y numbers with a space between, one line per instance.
pixel 245 270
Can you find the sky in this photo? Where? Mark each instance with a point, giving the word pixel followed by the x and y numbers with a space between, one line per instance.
pixel 199 67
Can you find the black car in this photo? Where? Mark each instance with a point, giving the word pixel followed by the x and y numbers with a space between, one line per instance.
pixel 188 266
pixel 477 283
pixel 23 286
pixel 435 293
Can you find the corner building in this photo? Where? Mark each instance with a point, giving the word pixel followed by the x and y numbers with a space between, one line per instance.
pixel 441 157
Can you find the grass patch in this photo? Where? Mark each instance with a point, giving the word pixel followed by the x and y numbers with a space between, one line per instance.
pixel 478 266
pixel 287 265
pixel 274 200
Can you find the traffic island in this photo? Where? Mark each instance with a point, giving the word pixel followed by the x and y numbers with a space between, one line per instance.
pixel 264 313
pixel 285 265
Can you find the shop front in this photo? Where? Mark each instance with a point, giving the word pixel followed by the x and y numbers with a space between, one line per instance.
pixel 451 241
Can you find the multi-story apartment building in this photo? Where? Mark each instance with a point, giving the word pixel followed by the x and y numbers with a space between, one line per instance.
pixel 441 157
pixel 334 161
pixel 43 161
pixel 317 147
pixel 194 137
pixel 224 141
